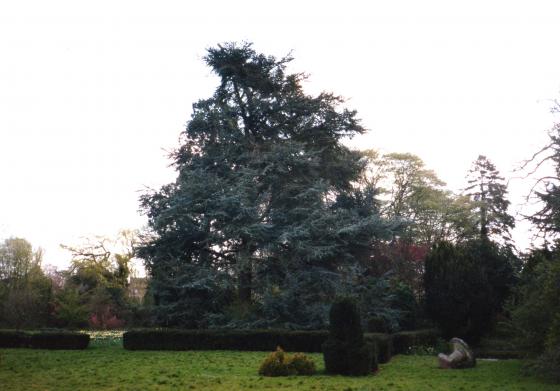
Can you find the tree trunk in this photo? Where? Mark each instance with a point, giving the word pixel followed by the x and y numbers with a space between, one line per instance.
pixel 245 285
pixel 245 275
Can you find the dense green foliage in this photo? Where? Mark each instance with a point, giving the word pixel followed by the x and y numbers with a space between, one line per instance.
pixel 94 292
pixel 345 352
pixel 385 304
pixel 62 340
pixel 344 321
pixel 466 286
pixel 263 340
pixel 112 368
pixel 547 364
pixel 547 219
pixel 280 363
pixel 12 339
pixel 256 340
pixel 536 308
pixel 43 339
pixel 25 291
pixel 426 212
pixel 536 314
pixel 263 223
pixel 415 195
pixel 489 193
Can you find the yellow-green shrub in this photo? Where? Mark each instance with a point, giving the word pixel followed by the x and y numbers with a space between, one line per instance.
pixel 302 364
pixel 279 363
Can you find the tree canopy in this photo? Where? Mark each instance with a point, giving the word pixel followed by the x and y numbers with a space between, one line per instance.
pixel 263 201
pixel 489 192
pixel 547 218
pixel 466 285
pixel 24 289
pixel 416 196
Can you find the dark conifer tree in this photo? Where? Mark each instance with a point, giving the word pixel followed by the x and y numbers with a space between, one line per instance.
pixel 547 218
pixel 486 187
pixel 263 213
pixel 466 286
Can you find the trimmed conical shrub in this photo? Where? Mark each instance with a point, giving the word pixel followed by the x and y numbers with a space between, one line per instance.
pixel 345 351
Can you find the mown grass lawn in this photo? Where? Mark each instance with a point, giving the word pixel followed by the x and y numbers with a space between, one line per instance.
pixel 109 367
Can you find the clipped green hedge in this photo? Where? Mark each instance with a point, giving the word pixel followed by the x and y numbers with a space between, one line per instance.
pixel 268 340
pixel 12 339
pixel 244 340
pixel 43 339
pixel 58 340
pixel 404 340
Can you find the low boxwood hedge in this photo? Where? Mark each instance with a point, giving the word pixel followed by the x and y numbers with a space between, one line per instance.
pixel 58 340
pixel 245 340
pixel 43 339
pixel 12 339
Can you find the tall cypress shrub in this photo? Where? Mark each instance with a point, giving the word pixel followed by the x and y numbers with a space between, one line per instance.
pixel 345 351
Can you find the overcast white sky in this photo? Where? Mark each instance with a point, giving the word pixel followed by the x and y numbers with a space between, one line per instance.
pixel 93 93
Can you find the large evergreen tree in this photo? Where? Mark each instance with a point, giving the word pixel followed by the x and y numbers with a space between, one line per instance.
pixel 263 215
pixel 536 314
pixel 466 284
pixel 547 218
pixel 486 187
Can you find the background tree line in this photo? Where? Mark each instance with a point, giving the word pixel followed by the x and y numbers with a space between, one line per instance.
pixel 95 291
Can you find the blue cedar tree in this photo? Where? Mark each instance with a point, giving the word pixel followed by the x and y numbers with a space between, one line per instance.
pixel 264 191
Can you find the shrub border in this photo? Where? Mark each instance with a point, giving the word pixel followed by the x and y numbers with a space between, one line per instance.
pixel 43 339
pixel 386 345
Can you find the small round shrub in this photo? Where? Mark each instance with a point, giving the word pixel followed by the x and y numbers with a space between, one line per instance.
pixel 302 364
pixel 279 363
pixel 275 365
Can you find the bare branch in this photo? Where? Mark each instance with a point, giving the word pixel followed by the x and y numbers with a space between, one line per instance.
pixel 525 163
pixel 532 171
pixel 536 184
